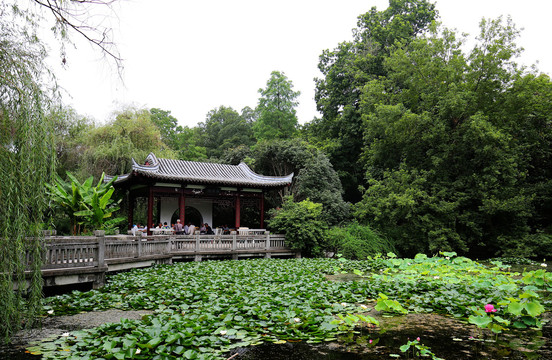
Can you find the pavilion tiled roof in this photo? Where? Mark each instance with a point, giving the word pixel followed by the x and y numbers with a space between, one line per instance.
pixel 202 173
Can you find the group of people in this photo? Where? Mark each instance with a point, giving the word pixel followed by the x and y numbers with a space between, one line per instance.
pixel 138 227
pixel 189 229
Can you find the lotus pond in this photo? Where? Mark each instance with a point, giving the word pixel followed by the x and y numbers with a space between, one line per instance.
pixel 251 309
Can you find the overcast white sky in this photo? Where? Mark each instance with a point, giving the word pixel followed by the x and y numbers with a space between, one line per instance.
pixel 190 57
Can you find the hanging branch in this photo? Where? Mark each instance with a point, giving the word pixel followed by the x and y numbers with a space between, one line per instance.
pixel 74 15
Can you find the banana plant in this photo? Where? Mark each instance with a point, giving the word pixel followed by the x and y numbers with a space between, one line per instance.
pixel 67 197
pixel 99 205
pixel 87 205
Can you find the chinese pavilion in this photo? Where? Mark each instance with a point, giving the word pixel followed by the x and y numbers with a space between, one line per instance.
pixel 182 189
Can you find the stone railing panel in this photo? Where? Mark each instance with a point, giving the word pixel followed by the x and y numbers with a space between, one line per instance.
pixel 68 252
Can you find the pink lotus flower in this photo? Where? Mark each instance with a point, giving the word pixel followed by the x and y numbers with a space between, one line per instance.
pixel 490 308
pixel 418 338
pixel 370 341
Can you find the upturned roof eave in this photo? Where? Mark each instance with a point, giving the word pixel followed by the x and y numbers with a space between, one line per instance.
pixel 245 176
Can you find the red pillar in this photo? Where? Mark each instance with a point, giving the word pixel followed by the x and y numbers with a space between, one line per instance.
pixel 182 208
pixel 262 210
pixel 150 210
pixel 238 211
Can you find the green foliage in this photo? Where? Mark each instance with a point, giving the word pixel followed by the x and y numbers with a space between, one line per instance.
pixel 206 309
pixel 280 300
pixel 318 181
pixel 67 198
pixel 357 242
pixel 110 148
pixel 302 224
pixel 93 205
pixel 167 125
pixel 187 145
pixel 225 129
pixel 276 109
pixel 392 306
pixel 455 146
pixel 351 320
pixel 349 68
pixel 445 167
pixel 418 350
pixel 314 178
pixel 27 151
pixel 70 131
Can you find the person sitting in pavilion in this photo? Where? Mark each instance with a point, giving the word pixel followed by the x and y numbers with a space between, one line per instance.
pixel 178 227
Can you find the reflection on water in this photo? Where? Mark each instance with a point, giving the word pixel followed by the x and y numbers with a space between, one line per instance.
pixel 7 353
pixel 357 346
pixel 383 346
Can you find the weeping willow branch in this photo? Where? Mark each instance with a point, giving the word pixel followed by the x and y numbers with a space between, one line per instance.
pixel 26 162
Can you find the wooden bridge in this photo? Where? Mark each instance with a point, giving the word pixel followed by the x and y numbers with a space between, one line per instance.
pixel 81 259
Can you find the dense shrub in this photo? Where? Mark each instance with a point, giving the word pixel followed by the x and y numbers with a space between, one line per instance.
pixel 356 241
pixel 302 224
pixel 535 246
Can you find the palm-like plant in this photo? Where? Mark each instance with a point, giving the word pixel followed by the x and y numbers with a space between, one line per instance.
pixel 99 205
pixel 84 203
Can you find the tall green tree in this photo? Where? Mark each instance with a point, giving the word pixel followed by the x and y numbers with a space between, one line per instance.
pixel 347 69
pixel 277 117
pixel 224 129
pixel 314 179
pixel 70 131
pixel 27 150
pixel 167 125
pixel 453 141
pixel 183 140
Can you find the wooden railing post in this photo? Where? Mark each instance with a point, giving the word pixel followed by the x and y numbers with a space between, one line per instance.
pixel 234 244
pixel 197 243
pixel 267 240
pixel 100 236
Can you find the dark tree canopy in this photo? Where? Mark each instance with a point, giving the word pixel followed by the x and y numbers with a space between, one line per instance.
pixel 315 179
pixel 224 129
pixel 452 157
pixel 347 69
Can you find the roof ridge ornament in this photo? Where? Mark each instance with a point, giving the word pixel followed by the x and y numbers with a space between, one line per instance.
pixel 151 164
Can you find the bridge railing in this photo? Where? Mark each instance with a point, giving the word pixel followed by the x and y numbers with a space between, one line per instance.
pixel 92 251
pixel 67 252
